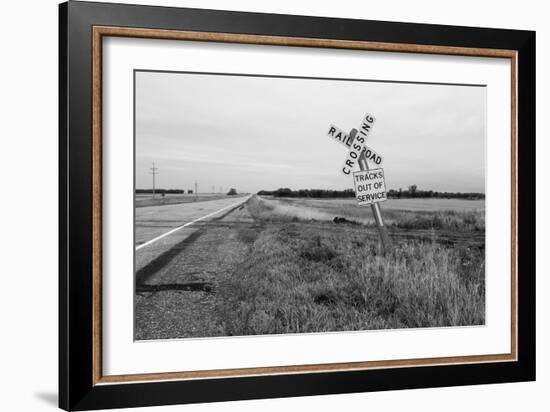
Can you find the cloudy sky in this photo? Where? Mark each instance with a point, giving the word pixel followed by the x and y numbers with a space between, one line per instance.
pixel 256 133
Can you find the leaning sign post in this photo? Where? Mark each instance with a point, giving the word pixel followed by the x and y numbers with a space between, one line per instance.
pixel 370 186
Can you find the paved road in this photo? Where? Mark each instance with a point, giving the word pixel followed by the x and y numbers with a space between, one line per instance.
pixel 155 221
pixel 176 291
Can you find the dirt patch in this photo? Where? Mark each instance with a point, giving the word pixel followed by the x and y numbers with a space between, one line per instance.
pixel 339 220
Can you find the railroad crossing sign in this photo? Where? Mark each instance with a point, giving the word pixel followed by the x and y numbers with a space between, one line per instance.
pixel 358 144
pixel 342 137
pixel 370 187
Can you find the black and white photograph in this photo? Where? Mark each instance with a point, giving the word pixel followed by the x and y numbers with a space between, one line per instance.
pixel 284 205
pixel 273 206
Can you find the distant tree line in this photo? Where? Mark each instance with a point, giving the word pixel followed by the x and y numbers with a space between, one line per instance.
pixel 319 193
pixel 167 191
pixel 411 192
pixel 414 192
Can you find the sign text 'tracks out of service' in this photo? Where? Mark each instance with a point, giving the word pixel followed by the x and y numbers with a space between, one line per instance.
pixel 370 186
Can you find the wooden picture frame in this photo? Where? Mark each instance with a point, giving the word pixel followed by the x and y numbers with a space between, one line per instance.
pixel 83 26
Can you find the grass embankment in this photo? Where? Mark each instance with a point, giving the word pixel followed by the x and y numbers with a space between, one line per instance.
pixel 311 276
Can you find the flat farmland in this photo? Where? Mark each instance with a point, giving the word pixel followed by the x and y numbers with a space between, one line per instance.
pixel 350 205
pixel 273 265
pixel 449 217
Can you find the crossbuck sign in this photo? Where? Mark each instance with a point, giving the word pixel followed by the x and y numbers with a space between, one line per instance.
pixel 370 186
pixel 358 144
pixel 344 138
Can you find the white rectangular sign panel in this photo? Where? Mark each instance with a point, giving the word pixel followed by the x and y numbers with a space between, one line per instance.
pixel 358 144
pixel 370 186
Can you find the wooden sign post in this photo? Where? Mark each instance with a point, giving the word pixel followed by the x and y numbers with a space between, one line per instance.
pixel 369 184
pixel 375 207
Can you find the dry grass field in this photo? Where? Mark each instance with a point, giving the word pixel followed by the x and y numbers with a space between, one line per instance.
pixel 285 266
pixel 304 273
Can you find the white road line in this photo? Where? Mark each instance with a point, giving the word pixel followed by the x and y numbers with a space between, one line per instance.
pixel 190 223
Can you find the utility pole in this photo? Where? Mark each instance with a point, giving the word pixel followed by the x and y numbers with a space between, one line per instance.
pixel 154 172
pixel 196 193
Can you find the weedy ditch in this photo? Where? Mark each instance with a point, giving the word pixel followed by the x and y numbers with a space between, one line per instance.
pixel 309 277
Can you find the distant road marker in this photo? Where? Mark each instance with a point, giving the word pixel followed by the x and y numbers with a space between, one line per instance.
pixel 190 223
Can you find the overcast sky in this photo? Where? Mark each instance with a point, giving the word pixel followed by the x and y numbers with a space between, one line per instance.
pixel 256 133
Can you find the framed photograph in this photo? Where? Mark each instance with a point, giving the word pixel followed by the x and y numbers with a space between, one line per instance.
pixel 256 205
